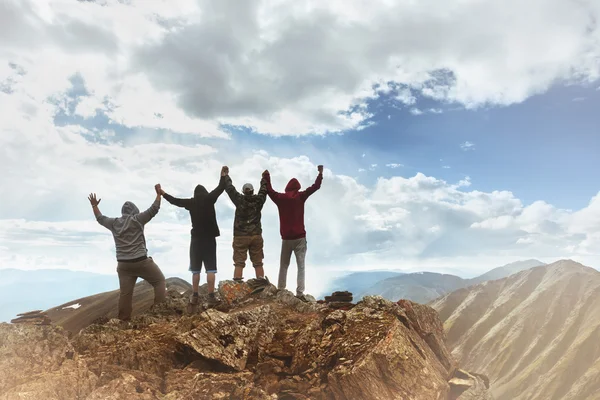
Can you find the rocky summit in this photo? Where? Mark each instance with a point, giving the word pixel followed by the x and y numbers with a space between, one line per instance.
pixel 266 345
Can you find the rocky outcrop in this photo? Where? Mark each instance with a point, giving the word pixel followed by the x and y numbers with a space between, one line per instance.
pixel 267 345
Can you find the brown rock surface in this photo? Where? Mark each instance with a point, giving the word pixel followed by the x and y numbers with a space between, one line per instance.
pixel 535 334
pixel 265 346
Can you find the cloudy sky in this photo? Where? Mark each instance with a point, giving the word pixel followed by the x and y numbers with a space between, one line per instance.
pixel 456 137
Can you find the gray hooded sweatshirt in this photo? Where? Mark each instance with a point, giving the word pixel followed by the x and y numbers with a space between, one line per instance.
pixel 128 230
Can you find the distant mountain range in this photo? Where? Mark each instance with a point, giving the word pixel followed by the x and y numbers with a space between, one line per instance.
pixel 22 290
pixel 535 334
pixel 421 287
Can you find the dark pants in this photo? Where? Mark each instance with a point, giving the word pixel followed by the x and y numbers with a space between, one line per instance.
pixel 129 272
pixel 203 250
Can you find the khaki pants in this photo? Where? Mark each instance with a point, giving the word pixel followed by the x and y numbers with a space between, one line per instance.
pixel 242 245
pixel 298 247
pixel 128 274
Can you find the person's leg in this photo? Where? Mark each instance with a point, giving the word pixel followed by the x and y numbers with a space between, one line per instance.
pixel 209 251
pixel 240 252
pixel 256 255
pixel 195 268
pixel 126 285
pixel 195 282
pixel 300 252
pixel 284 262
pixel 195 263
pixel 150 272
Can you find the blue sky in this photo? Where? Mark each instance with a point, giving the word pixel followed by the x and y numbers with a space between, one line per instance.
pixel 455 138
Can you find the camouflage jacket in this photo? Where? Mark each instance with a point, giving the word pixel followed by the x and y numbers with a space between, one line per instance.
pixel 247 209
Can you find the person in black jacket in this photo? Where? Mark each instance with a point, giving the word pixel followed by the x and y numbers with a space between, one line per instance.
pixel 205 230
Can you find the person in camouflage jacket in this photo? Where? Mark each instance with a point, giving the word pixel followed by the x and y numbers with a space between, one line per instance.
pixel 247 228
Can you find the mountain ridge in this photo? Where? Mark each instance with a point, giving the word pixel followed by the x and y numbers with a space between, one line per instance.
pixel 425 286
pixel 534 333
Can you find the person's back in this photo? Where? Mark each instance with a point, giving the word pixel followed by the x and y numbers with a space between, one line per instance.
pixel 132 255
pixel 291 226
pixel 291 208
pixel 128 230
pixel 248 213
pixel 247 228
pixel 205 230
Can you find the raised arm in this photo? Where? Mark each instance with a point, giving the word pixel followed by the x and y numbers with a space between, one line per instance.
pixel 145 216
pixel 233 194
pixel 101 219
pixel 214 195
pixel 315 186
pixel 184 203
pixel 262 192
pixel 275 196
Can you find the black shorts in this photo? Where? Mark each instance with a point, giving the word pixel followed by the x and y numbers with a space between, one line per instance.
pixel 203 251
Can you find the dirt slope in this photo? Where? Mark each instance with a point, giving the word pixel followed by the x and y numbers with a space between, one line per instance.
pixel 77 314
pixel 535 334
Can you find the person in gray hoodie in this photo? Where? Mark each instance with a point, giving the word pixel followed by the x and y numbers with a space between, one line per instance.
pixel 132 255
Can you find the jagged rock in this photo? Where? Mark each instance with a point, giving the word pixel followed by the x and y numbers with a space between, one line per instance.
pixel 269 292
pixel 338 297
pixel 126 386
pixel 287 298
pixel 267 346
pixel 229 339
pixel 466 386
pixel 232 292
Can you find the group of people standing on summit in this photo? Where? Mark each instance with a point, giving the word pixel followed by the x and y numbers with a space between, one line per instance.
pixel 133 261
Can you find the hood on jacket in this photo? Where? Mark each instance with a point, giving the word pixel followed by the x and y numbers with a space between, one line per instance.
pixel 129 208
pixel 293 185
pixel 200 192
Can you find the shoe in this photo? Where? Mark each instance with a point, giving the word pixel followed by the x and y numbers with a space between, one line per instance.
pixel 193 300
pixel 238 280
pixel 212 300
pixel 263 281
pixel 303 298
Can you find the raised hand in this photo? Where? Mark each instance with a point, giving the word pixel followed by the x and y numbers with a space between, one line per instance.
pixel 93 201
pixel 225 170
pixel 320 169
pixel 158 189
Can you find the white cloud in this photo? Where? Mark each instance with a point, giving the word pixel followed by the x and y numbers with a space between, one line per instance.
pixel 446 167
pixel 466 146
pixel 393 165
pixel 416 111
pixel 282 68
pixel 578 99
pixel 286 67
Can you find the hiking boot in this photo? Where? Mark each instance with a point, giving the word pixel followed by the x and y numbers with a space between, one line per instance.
pixel 212 300
pixel 238 280
pixel 303 298
pixel 263 280
pixel 194 299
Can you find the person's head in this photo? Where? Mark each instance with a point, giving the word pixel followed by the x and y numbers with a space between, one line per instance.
pixel 129 208
pixel 200 192
pixel 293 185
pixel 248 189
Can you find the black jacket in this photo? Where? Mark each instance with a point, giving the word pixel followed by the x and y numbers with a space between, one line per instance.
pixel 202 209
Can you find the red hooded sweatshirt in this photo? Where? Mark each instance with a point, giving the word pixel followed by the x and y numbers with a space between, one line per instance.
pixel 291 206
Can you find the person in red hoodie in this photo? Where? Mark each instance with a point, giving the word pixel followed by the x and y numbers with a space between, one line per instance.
pixel 291 226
